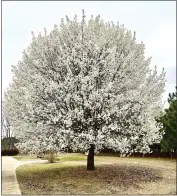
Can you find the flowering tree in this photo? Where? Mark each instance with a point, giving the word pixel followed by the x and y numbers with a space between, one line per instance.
pixel 86 85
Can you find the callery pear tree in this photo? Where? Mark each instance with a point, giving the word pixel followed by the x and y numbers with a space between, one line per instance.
pixel 85 85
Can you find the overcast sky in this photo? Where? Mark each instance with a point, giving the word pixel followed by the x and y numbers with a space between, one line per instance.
pixel 153 21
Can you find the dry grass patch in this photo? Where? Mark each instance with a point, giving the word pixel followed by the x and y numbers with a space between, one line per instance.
pixel 72 178
pixel 113 175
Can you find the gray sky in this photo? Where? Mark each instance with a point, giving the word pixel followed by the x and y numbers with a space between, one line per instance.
pixel 153 21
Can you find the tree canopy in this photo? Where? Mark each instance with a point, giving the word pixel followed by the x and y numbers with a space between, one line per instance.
pixel 83 83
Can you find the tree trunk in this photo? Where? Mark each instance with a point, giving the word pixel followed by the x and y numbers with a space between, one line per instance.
pixel 171 156
pixel 90 158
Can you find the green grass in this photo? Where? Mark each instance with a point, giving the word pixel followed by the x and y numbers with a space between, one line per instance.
pixel 113 175
pixel 61 157
pixel 69 157
pixel 74 158
pixel 25 157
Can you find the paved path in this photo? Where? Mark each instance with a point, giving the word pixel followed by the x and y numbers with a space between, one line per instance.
pixel 9 180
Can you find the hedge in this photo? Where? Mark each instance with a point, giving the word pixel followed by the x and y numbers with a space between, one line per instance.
pixel 9 152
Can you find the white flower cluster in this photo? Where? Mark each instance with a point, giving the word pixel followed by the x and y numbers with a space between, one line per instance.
pixel 85 83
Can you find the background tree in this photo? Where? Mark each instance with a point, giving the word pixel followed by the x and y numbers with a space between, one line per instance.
pixel 7 136
pixel 169 125
pixel 85 85
pixel 6 130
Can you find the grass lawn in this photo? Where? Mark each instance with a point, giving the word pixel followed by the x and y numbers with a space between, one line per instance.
pixel 113 175
pixel 63 157
pixel 24 157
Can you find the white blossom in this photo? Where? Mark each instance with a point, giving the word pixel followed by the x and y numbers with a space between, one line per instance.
pixel 85 83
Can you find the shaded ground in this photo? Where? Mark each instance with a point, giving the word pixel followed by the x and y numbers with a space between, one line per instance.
pixel 113 175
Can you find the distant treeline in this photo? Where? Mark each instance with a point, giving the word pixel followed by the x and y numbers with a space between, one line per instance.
pixel 8 142
pixel 8 146
pixel 157 152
